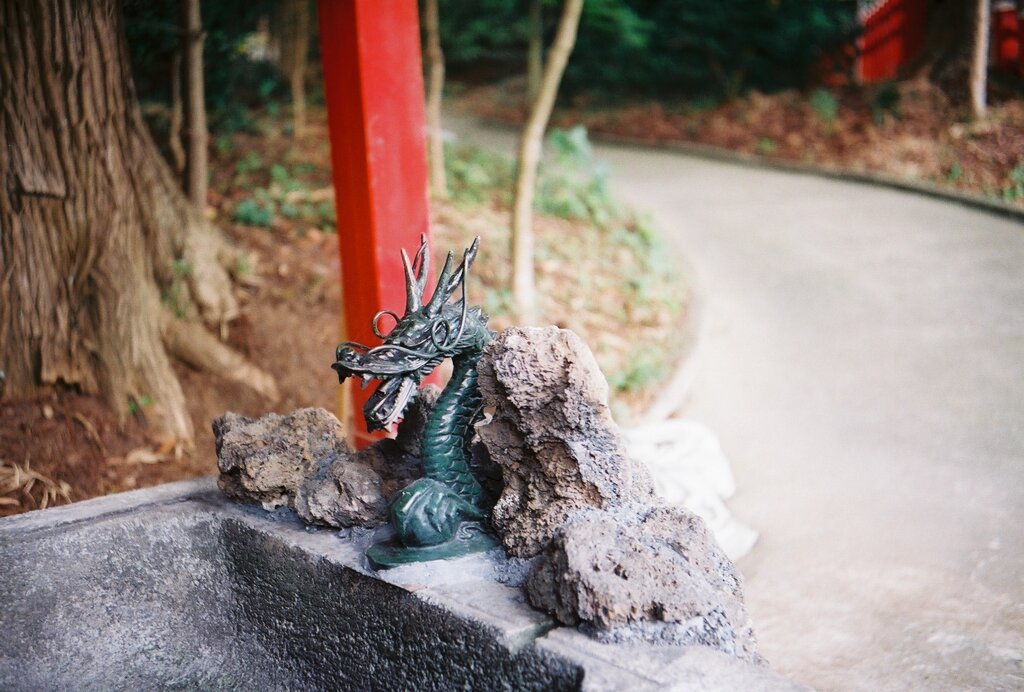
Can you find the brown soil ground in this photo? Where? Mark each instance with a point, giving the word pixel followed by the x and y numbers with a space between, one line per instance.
pixel 65 446
pixel 909 130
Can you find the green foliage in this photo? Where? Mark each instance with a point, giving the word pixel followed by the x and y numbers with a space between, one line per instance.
pixel 645 366
pixel 683 47
pixel 886 101
pixel 723 48
pixel 483 29
pixel 136 405
pixel 572 185
pixel 475 175
pixel 955 173
pixel 286 195
pixel 825 106
pixel 243 266
pixel 258 210
pixel 1015 190
pixel 233 79
pixel 326 216
pixel 250 163
pixel 766 146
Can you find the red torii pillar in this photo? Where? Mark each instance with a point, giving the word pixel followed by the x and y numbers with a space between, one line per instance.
pixel 373 84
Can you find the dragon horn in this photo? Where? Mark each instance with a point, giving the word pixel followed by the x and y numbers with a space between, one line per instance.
pixel 423 270
pixel 460 274
pixel 412 294
pixel 441 293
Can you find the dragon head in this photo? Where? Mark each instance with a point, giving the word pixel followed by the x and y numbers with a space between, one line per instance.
pixel 420 339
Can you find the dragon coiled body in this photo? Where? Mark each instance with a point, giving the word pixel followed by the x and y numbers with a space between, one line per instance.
pixel 445 512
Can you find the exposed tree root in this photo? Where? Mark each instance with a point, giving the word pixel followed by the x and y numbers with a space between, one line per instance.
pixel 190 342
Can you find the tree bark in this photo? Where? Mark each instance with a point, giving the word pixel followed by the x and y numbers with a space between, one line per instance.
pixel 196 167
pixel 529 158
pixel 535 51
pixel 177 117
pixel 979 59
pixel 435 89
pixel 92 221
pixel 299 50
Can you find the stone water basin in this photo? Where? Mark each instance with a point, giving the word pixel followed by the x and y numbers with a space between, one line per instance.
pixel 177 588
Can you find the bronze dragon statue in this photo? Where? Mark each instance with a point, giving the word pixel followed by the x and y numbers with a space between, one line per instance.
pixel 444 513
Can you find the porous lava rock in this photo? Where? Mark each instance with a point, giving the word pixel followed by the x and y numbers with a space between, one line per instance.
pixel 552 434
pixel 642 572
pixel 342 493
pixel 300 461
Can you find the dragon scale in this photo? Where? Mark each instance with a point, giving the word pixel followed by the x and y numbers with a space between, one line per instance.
pixel 445 454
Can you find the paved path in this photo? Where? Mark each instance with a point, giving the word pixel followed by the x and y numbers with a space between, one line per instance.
pixel 862 358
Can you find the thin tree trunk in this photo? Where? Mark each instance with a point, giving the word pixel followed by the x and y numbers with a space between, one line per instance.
pixel 979 59
pixel 529 158
pixel 535 51
pixel 174 127
pixel 297 71
pixel 196 168
pixel 435 88
pixel 93 222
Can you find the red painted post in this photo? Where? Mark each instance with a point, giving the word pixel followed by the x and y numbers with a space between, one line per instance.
pixel 893 35
pixel 1005 36
pixel 373 84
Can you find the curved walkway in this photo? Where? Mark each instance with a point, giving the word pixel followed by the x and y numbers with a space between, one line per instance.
pixel 862 359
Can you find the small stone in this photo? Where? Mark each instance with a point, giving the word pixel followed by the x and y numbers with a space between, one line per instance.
pixel 552 434
pixel 643 573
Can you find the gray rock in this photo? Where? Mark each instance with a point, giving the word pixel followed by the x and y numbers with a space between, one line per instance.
pixel 300 461
pixel 264 460
pixel 342 494
pixel 552 434
pixel 643 573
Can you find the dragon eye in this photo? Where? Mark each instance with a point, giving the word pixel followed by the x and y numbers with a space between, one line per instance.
pixel 376 320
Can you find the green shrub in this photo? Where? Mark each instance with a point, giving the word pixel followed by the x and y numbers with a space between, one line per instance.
pixel 252 211
pixel 572 185
pixel 825 106
pixel 766 146
pixel 678 47
pixel 1015 190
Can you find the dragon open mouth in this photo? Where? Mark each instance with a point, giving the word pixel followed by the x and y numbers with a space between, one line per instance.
pixel 399 371
pixel 422 337
pixel 388 402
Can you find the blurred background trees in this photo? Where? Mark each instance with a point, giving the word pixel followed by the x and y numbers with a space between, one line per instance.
pixel 664 47
pixel 784 79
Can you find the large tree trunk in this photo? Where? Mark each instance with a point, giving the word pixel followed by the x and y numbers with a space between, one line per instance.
pixel 92 222
pixel 529 158
pixel 435 89
pixel 979 58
